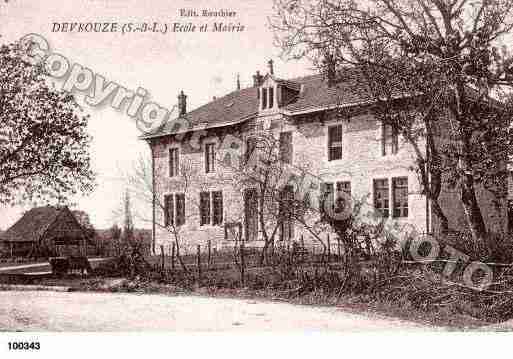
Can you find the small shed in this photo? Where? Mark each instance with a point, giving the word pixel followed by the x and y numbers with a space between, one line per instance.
pixel 45 232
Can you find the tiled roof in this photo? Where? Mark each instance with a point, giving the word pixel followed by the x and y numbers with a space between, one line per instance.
pixel 240 105
pixel 229 109
pixel 316 94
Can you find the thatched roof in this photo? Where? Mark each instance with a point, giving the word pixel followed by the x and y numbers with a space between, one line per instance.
pixel 37 224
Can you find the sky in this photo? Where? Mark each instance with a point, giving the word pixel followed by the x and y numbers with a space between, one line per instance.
pixel 203 65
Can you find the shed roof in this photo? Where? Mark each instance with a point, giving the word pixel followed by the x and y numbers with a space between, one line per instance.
pixel 33 225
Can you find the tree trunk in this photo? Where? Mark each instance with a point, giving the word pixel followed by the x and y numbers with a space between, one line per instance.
pixel 179 256
pixel 472 211
pixel 468 194
pixel 439 213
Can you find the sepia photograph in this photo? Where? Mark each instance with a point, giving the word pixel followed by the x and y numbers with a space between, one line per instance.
pixel 322 168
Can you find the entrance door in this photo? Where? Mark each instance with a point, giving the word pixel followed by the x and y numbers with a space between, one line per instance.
pixel 250 214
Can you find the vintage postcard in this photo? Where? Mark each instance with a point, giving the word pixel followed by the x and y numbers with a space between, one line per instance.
pixel 255 166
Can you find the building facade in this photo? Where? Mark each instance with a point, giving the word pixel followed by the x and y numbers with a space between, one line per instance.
pixel 322 129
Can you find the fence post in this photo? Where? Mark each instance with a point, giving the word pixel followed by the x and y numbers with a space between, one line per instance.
pixel 242 263
pixel 209 253
pixel 329 248
pixel 173 257
pixel 199 261
pixel 162 258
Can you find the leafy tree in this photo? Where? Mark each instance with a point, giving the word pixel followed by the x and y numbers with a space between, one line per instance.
pixel 44 146
pixel 438 71
pixel 84 220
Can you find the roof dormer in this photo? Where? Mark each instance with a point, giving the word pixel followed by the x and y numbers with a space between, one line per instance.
pixel 273 92
pixel 267 94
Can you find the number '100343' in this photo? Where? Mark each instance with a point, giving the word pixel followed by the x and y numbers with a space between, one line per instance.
pixel 24 346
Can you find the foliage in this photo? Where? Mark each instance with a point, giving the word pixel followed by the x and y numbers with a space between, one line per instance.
pixel 440 72
pixel 85 221
pixel 44 146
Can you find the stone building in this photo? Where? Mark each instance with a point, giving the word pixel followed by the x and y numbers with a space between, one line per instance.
pixel 354 153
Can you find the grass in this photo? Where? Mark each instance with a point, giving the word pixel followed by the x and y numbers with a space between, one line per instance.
pixel 348 303
pixel 399 299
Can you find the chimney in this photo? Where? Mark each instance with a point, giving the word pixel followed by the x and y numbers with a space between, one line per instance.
pixel 270 64
pixel 238 82
pixel 257 79
pixel 182 103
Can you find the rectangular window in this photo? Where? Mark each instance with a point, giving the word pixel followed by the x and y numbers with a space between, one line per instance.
pixel 180 209
pixel 204 208
pixel 389 139
pixel 381 197
pixel 264 98
pixel 217 204
pixel 271 97
pixel 286 147
pixel 344 187
pixel 210 157
pixel 400 196
pixel 335 143
pixel 168 210
pixel 173 162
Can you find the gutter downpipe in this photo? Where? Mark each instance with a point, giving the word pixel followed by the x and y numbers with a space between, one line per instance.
pixel 152 197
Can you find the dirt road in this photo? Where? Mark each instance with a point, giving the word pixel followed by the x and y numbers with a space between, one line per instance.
pixel 43 267
pixel 51 311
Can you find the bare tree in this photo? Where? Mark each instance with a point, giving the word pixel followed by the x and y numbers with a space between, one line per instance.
pixel 128 224
pixel 432 69
pixel 281 191
pixel 140 182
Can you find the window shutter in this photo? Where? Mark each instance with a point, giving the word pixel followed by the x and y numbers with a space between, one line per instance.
pixel 381 196
pixel 173 162
pixel 168 210
pixel 400 196
pixel 217 199
pixel 180 209
pixel 250 147
pixel 210 157
pixel 334 143
pixel 326 198
pixel 204 208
